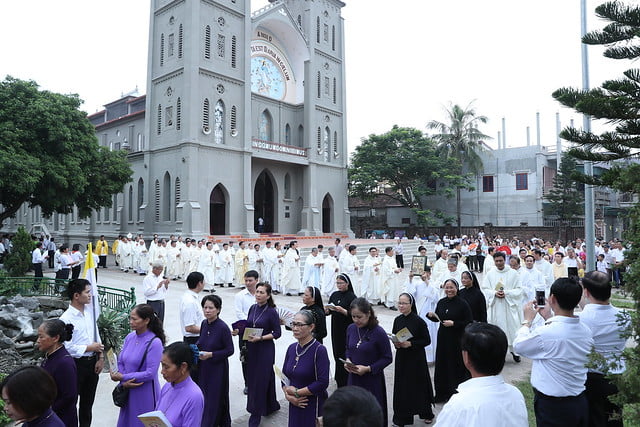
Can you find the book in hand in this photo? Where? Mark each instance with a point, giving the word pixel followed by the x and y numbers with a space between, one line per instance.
pixel 348 363
pixel 251 332
pixel 401 336
pixel 113 361
pixel 285 380
pixel 437 317
pixel 154 419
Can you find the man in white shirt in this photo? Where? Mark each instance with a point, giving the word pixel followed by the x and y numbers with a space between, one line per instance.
pixel 389 287
pixel 530 277
pixel 37 259
pixel 256 260
pixel 604 321
pixel 243 301
pixel 560 351
pixel 485 399
pixel 330 270
pixel 503 291
pixel 191 315
pixel 617 253
pixel 350 264
pixel 85 345
pixel 154 287
pixel 544 267
pixel 371 277
pixel 312 269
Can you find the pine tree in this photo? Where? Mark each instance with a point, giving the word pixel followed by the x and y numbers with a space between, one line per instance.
pixel 18 261
pixel 566 198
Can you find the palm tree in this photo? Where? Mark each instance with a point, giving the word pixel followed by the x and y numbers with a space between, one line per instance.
pixel 460 139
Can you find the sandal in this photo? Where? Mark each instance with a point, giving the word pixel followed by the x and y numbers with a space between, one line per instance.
pixel 428 421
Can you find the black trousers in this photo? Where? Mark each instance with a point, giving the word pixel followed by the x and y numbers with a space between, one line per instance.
pixel 400 261
pixel 599 388
pixel 103 261
pixel 158 308
pixel 50 259
pixel 87 385
pixel 37 268
pixel 561 411
pixel 75 271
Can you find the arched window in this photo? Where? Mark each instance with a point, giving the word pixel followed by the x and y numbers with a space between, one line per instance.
pixel 335 91
pixel 130 204
pixel 265 131
pixel 234 118
pixel 318 84
pixel 159 124
pixel 234 51
pixel 140 198
pixel 115 208
pixel 98 212
pixel 319 141
pixel 166 197
pixel 300 136
pixel 218 122
pixel 162 49
pixel 287 134
pixel 220 46
pixel 318 29
pixel 207 42
pixel 287 186
pixel 176 197
pixel 333 37
pixel 106 214
pixel 179 114
pixel 156 213
pixel 335 144
pixel 180 41
pixel 326 144
pixel 205 115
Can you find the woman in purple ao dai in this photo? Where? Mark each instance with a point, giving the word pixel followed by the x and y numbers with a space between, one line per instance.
pixel 368 352
pixel 148 337
pixel 306 365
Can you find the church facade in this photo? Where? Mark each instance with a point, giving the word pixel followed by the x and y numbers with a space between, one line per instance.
pixel 243 127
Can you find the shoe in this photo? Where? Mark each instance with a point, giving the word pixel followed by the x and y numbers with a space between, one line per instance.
pixel 516 358
pixel 246 390
pixel 393 309
pixel 288 294
pixel 231 286
pixel 142 274
pixel 300 294
pixel 380 303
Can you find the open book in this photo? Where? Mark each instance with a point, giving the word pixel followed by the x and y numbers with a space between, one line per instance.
pixel 437 317
pixel 401 336
pixel 251 332
pixel 154 419
pixel 113 361
pixel 285 380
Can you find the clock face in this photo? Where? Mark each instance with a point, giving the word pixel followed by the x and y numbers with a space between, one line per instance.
pixel 266 78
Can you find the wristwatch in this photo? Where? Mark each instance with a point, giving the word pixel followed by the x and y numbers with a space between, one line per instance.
pixel 526 322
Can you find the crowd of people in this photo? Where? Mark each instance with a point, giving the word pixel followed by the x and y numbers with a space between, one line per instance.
pixel 446 315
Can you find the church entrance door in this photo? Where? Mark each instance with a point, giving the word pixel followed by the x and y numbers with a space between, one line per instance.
pixel 217 211
pixel 263 202
pixel 327 210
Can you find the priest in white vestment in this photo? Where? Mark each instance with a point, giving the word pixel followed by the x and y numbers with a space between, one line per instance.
pixel 544 267
pixel 530 277
pixel 207 266
pixel 174 263
pixel 503 291
pixel 269 258
pixel 290 278
pixel 276 270
pixel 330 270
pixel 225 273
pixel 389 288
pixel 312 269
pixel 439 267
pixel 125 249
pixel 350 265
pixel 241 263
pixel 371 277
pixel 488 261
pixel 453 271
pixel 427 298
pixel 256 260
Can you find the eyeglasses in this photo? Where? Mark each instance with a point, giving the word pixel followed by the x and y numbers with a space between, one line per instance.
pixel 299 325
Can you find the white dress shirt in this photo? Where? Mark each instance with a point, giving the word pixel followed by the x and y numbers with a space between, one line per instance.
pixel 37 257
pixel 85 330
pixel 604 324
pixel 559 351
pixel 190 312
pixel 150 287
pixel 243 302
pixel 484 401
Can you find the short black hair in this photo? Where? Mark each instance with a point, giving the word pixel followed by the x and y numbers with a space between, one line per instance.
pixel 352 248
pixel 598 285
pixel 194 278
pixel 30 389
pixel 215 300
pixel 352 406
pixel 252 273
pixel 567 292
pixel 388 249
pixel 486 345
pixel 76 286
pixel 500 254
pixel 179 353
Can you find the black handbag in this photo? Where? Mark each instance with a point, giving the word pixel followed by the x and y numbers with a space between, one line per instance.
pixel 120 394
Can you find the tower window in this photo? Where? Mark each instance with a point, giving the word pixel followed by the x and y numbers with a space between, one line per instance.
pixel 159 124
pixel 178 114
pixel 207 42
pixel 335 91
pixel 234 118
pixel 319 93
pixel 170 45
pixel 205 114
pixel 180 41
pixel 162 49
pixel 234 42
pixel 218 125
pixel 333 37
pixel 318 29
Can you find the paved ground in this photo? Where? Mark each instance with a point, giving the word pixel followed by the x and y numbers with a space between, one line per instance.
pixel 106 414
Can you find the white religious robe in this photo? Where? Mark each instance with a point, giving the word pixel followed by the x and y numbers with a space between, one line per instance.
pixel 160 255
pixel 241 264
pixel 290 278
pixel 529 279
pixel 455 275
pixel 276 271
pixel 312 272
pixel 350 265
pixel 140 258
pixel 439 268
pixel 194 259
pixel 269 257
pixel 225 272
pixel 504 312
pixel 371 279
pixel 389 281
pixel 256 261
pixel 488 264
pixel 329 272
pixel 427 298
pixel 125 249
pixel 207 266
pixel 173 262
pixel 546 269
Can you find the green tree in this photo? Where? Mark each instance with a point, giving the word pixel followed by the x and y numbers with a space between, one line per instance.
pixel 407 163
pixel 616 102
pixel 459 138
pixel 50 156
pixel 18 261
pixel 566 197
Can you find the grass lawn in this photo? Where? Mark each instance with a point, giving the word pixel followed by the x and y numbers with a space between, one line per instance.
pixel 527 391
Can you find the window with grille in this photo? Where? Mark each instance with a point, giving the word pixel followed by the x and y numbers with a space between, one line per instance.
pixel 170 45
pixel 220 45
pixel 178 114
pixel 207 42
pixel 140 198
pixel 205 114
pixel 319 140
pixel 177 197
pixel 287 134
pixel 335 143
pixel 234 48
pixel 326 32
pixel 159 130
pixel 130 207
pixel 333 37
pixel 318 29
pixel 335 90
pixel 234 118
pixel 162 49
pixel 487 184
pixel 180 41
pixel 522 181
pixel 319 84
pixel 156 213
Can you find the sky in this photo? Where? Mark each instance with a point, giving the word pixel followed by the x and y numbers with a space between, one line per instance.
pixel 406 60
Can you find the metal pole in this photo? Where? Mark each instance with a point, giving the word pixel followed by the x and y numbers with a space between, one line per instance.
pixel 504 134
pixel 538 129
pixel 558 143
pixel 528 137
pixel 589 220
